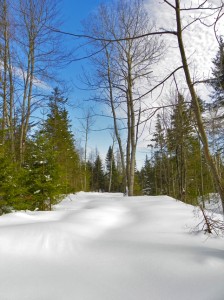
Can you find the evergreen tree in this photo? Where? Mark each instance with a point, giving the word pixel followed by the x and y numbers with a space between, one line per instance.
pixel 98 175
pixel 179 141
pixel 113 183
pixel 12 189
pixel 160 157
pixel 177 166
pixel 58 130
pixel 217 82
pixel 215 121
pixel 43 184
pixel 186 157
pixel 90 177
pixel 146 178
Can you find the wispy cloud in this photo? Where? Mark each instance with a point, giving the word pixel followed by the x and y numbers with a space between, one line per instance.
pixel 200 42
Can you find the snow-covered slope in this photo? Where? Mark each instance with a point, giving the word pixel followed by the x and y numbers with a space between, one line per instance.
pixel 108 247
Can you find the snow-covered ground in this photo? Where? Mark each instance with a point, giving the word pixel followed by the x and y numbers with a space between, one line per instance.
pixel 108 247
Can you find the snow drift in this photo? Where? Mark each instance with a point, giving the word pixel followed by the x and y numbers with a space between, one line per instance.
pixel 107 247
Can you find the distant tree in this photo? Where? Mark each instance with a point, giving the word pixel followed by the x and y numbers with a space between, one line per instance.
pixel 87 125
pixel 98 175
pixel 120 66
pixel 177 164
pixel 217 82
pixel 147 178
pixel 160 148
pixel 180 139
pixel 89 170
pixel 214 114
pixel 114 181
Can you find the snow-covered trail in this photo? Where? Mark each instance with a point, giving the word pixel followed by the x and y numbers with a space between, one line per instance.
pixel 108 247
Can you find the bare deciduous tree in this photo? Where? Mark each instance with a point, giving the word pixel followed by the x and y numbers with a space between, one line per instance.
pixel 123 67
pixel 87 125
pixel 38 51
pixel 7 77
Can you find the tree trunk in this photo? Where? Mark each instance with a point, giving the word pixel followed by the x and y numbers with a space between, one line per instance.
pixel 196 107
pixel 111 168
pixel 131 129
pixel 124 175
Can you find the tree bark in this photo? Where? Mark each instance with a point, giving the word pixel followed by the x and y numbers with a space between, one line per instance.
pixel 117 134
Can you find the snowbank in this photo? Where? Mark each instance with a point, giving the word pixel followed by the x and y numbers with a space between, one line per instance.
pixel 97 246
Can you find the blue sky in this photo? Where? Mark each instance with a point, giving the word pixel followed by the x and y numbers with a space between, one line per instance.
pixel 200 46
pixel 73 13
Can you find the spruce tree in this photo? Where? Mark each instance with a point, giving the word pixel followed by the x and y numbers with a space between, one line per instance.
pixel 179 137
pixel 217 82
pixel 160 166
pixel 113 179
pixel 146 178
pixel 58 130
pixel 12 187
pixel 43 184
pixel 98 175
pixel 188 170
pixel 90 177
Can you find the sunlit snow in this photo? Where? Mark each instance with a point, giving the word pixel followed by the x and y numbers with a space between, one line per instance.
pixel 97 246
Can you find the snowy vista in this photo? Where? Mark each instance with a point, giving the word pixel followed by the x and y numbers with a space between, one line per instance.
pixel 97 100
pixel 103 246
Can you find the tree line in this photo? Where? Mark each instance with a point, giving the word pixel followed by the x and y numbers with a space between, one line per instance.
pixel 176 164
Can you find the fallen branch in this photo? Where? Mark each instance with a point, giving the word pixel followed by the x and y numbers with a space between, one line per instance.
pixel 210 224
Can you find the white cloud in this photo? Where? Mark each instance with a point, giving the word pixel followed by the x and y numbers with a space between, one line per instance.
pixel 200 45
pixel 37 82
pixel 200 42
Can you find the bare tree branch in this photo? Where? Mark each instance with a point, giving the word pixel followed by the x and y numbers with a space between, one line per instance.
pixel 114 40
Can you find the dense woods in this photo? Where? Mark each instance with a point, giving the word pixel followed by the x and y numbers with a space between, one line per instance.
pixel 39 157
pixel 176 165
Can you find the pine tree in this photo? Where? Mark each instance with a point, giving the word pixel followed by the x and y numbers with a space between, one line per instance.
pixel 113 179
pixel 90 177
pixel 215 121
pixel 177 166
pixel 160 166
pixel 217 82
pixel 179 137
pixel 11 189
pixel 58 129
pixel 43 184
pixel 98 175
pixel 11 183
pixel 187 160
pixel 146 178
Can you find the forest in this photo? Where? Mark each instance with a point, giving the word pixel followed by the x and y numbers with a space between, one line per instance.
pixel 40 159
